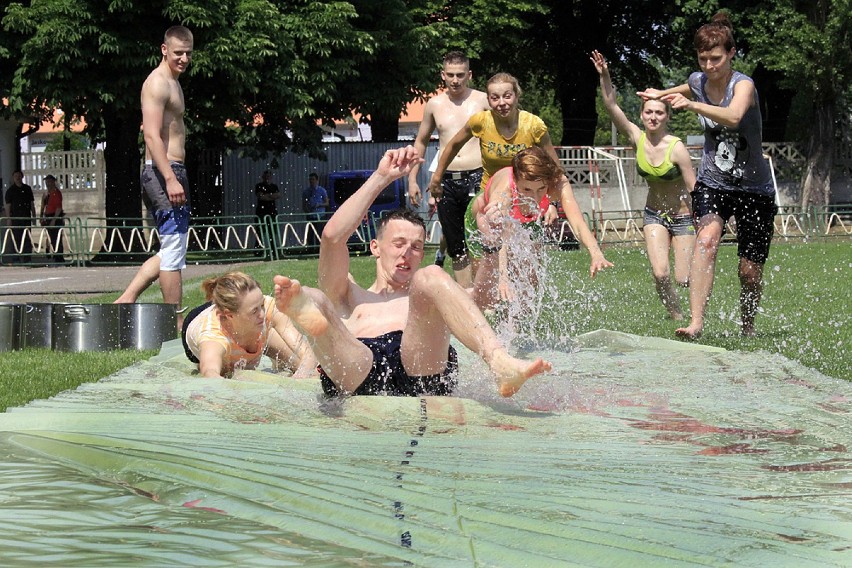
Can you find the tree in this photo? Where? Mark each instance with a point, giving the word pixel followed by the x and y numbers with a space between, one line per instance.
pixel 809 43
pixel 402 66
pixel 268 69
pixel 548 42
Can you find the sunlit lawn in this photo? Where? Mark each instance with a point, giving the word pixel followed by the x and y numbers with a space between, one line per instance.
pixel 805 313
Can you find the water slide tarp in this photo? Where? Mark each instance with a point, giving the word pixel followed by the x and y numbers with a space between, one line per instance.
pixel 633 452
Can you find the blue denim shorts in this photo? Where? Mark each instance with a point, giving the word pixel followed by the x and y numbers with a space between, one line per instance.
pixel 676 225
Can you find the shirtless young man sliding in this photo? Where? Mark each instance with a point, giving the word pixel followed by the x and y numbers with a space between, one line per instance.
pixel 164 183
pixel 393 337
pixel 448 113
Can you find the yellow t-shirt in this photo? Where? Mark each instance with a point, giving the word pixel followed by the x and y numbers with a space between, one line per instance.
pixel 497 151
pixel 207 327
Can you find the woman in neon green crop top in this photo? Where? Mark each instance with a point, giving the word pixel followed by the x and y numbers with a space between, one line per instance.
pixel 668 211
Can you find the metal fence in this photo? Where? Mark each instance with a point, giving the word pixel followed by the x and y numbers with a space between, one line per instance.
pixel 93 241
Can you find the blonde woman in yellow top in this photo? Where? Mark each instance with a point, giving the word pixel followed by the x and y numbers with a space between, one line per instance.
pixel 668 209
pixel 503 131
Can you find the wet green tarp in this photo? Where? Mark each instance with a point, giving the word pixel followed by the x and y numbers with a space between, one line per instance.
pixel 633 452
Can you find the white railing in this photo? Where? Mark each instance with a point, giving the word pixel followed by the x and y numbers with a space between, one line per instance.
pixel 82 170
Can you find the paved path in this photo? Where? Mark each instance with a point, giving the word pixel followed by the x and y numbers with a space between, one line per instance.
pixel 62 283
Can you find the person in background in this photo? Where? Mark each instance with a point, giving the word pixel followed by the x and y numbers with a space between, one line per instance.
pixel 315 197
pixel 503 131
pixel 267 195
pixel 315 203
pixel 237 325
pixel 516 198
pixel 734 178
pixel 664 162
pixel 20 217
pixel 448 112
pixel 53 218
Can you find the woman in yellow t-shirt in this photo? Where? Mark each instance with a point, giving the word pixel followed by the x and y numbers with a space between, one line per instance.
pixel 238 325
pixel 504 131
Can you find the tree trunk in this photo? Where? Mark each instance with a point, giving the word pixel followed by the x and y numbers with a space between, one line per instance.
pixel 384 125
pixel 579 115
pixel 123 192
pixel 775 103
pixel 816 182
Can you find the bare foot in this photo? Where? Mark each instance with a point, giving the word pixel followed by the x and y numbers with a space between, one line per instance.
pixel 124 299
pixel 691 333
pixel 512 373
pixel 290 300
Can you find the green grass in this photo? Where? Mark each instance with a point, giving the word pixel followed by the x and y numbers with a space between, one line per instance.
pixel 805 314
pixel 40 373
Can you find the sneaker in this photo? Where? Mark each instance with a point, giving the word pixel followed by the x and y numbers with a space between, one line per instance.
pixel 439 257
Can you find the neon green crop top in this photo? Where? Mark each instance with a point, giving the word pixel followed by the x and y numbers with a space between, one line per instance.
pixel 667 171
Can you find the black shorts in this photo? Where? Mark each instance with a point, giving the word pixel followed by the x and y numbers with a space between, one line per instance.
pixel 388 377
pixel 754 213
pixel 193 313
pixel 459 189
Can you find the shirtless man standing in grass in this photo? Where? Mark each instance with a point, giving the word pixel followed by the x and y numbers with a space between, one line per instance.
pixel 393 337
pixel 448 112
pixel 165 186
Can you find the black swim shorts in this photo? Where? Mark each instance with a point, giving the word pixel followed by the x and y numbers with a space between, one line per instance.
pixel 459 188
pixel 388 377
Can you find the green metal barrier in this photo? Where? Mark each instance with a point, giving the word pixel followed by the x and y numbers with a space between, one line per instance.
pixel 210 240
pixel 298 234
pixel 833 220
pixel 23 241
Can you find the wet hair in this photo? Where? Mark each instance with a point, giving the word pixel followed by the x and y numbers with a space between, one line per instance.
pixel 456 58
pixel 505 78
pixel 227 291
pixel 313 175
pixel 719 32
pixel 179 33
pixel 669 110
pixel 403 215
pixel 534 164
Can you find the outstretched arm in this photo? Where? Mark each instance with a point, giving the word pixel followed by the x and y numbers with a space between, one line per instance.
pixel 210 359
pixel 622 123
pixel 578 226
pixel 334 253
pixel 654 94
pixel 727 116
pixel 448 154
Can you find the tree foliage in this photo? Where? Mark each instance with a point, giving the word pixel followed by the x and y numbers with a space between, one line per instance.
pixel 808 42
pixel 268 69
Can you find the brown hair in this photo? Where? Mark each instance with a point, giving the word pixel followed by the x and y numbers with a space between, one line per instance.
pixel 456 58
pixel 535 164
pixel 719 32
pixel 180 33
pixel 669 110
pixel 505 78
pixel 227 291
pixel 401 214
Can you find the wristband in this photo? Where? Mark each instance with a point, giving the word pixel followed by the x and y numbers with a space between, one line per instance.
pixel 490 250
